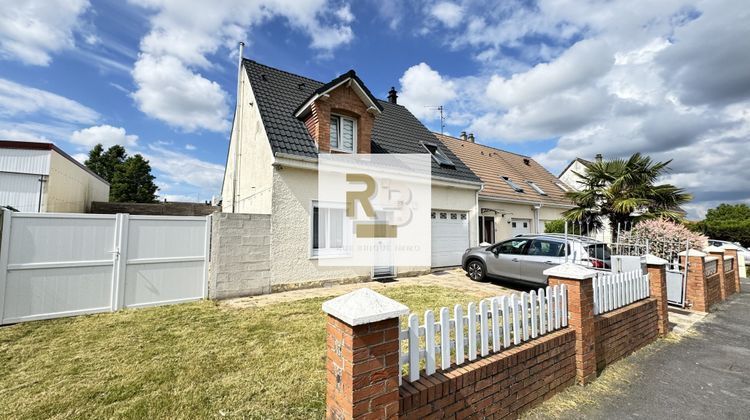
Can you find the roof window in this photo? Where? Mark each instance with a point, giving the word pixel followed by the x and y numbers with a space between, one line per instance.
pixel 512 184
pixel 438 155
pixel 562 186
pixel 536 188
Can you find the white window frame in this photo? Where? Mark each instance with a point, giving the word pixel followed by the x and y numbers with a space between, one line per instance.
pixel 347 232
pixel 536 187
pixel 340 141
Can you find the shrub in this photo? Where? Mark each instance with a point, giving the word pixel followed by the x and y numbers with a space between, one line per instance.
pixel 664 238
pixel 554 226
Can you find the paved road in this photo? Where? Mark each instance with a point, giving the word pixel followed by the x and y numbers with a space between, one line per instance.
pixel 705 375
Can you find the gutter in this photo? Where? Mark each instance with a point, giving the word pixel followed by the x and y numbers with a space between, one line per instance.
pixel 530 203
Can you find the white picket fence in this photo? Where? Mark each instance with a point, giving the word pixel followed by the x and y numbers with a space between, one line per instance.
pixel 612 291
pixel 501 322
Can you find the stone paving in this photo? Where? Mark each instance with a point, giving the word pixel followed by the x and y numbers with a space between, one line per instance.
pixel 453 278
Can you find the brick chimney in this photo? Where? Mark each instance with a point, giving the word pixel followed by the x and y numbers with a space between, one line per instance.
pixel 471 137
pixel 463 136
pixel 392 96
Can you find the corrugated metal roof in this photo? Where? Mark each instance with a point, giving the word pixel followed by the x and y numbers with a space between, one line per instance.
pixel 25 161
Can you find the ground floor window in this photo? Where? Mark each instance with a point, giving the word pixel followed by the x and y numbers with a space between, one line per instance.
pixel 330 231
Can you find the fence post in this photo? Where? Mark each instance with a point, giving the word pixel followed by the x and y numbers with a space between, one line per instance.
pixel 695 283
pixel 6 216
pixel 723 281
pixel 579 281
pixel 657 280
pixel 732 250
pixel 362 368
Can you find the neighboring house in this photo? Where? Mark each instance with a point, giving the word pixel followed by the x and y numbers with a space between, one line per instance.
pixel 570 177
pixel 39 177
pixel 518 196
pixel 283 122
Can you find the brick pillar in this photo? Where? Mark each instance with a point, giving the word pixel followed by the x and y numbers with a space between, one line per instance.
pixel 362 356
pixel 724 287
pixel 657 280
pixel 731 250
pixel 696 293
pixel 578 279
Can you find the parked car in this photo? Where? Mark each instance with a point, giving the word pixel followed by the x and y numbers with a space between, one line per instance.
pixel 525 257
pixel 741 249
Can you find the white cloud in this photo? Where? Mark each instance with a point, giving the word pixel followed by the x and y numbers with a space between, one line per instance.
pixel 189 147
pixel 169 74
pixel 32 30
pixel 423 88
pixel 182 172
pixel 449 14
pixel 171 92
pixel 21 100
pixel 104 134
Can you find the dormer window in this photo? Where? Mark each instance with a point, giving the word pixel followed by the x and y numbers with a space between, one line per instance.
pixel 343 134
pixel 438 155
pixel 512 184
pixel 536 188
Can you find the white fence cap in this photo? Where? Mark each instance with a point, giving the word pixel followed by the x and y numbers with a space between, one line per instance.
pixel 713 249
pixel 693 253
pixel 364 306
pixel 570 271
pixel 709 259
pixel 652 259
pixel 729 246
pixel 728 257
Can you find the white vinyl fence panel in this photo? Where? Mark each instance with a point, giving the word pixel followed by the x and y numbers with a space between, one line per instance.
pixel 496 324
pixel 55 265
pixel 613 291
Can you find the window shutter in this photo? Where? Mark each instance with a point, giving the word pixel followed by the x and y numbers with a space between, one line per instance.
pixel 347 134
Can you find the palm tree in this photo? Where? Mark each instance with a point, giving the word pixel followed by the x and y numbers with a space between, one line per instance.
pixel 625 191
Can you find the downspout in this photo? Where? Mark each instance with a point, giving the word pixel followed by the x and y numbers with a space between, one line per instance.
pixel 479 214
pixel 238 114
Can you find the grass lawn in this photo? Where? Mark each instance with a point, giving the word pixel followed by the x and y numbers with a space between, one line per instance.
pixel 193 360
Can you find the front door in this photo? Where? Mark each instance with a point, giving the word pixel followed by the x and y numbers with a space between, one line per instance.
pixel 487 229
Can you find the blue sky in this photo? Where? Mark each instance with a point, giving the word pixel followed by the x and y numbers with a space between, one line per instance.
pixel 551 79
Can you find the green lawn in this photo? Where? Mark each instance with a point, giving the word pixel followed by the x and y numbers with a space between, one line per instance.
pixel 184 361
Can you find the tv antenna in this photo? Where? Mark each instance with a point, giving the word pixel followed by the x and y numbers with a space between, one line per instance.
pixel 442 117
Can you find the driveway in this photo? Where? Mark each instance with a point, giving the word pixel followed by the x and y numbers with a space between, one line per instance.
pixel 703 374
pixel 452 277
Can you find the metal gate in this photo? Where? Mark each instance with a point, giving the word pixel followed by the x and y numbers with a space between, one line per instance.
pixel 676 282
pixel 56 265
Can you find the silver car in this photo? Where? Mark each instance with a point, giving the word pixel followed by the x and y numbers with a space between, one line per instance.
pixel 525 257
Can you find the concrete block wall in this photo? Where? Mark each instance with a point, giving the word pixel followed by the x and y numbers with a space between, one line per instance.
pixel 240 255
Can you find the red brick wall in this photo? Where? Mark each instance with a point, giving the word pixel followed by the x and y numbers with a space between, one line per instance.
pixel 695 292
pixel 625 330
pixel 713 288
pixel 505 383
pixel 342 101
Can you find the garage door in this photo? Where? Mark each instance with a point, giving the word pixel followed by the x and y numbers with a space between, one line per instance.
pixel 520 226
pixel 450 237
pixel 20 191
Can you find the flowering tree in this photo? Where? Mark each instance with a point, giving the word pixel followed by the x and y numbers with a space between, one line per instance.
pixel 665 238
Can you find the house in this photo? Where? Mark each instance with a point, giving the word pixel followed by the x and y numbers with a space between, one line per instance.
pixel 518 196
pixel 39 177
pixel 283 122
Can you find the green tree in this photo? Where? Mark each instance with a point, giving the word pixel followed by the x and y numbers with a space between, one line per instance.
pixel 132 182
pixel 727 222
pixel 104 163
pixel 554 226
pixel 625 191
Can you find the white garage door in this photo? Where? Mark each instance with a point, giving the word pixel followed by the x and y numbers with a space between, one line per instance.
pixel 520 226
pixel 20 191
pixel 450 237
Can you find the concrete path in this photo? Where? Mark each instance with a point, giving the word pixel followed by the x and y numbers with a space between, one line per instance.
pixel 453 278
pixel 702 374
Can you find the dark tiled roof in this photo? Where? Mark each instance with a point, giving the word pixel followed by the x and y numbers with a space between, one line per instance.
pixel 348 75
pixel 279 94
